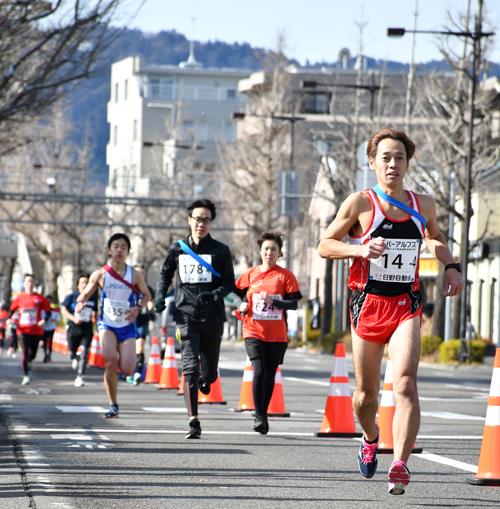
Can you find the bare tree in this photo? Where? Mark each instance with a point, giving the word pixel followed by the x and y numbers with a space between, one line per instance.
pixel 44 48
pixel 52 166
pixel 441 160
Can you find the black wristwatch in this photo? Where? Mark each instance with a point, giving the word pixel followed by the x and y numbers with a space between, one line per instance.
pixel 455 266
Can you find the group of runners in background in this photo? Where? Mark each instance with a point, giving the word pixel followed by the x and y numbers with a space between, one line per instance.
pixel 381 230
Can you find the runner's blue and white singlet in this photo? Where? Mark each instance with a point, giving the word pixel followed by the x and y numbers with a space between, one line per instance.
pixel 116 299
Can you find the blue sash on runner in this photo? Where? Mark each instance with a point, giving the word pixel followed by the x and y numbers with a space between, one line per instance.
pixel 400 205
pixel 199 259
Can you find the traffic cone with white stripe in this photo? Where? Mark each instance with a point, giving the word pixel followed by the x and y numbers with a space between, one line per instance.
pixel 96 358
pixel 169 378
pixel 59 340
pixel 246 392
pixel 276 406
pixel 488 471
pixel 386 415
pixel 214 397
pixel 153 372
pixel 338 419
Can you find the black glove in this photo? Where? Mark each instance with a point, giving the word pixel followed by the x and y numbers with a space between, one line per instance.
pixel 160 305
pixel 205 298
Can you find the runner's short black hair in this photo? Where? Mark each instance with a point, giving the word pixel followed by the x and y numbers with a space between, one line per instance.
pixel 204 203
pixel 275 237
pixel 86 275
pixel 119 236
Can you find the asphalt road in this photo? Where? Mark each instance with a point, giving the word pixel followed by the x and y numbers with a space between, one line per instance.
pixel 56 450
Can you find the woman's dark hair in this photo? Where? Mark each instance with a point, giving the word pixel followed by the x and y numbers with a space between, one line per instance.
pixel 276 237
pixel 119 236
pixel 389 132
pixel 203 204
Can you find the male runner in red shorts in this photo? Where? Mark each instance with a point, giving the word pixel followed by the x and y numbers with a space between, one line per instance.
pixel 384 243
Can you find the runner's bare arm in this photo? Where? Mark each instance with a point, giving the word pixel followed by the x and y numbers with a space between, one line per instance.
pixel 94 282
pixel 332 246
pixel 70 317
pixel 436 243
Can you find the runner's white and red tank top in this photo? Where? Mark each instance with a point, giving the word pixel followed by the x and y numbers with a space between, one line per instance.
pixel 396 271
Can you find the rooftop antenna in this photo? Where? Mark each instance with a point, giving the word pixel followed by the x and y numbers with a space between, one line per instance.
pixel 191 61
pixel 411 72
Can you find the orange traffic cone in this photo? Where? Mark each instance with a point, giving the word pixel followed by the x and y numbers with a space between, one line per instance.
pixel 214 397
pixel 180 392
pixel 153 372
pixel 338 419
pixel 169 378
pixel 276 406
pixel 59 340
pixel 96 358
pixel 488 471
pixel 386 414
pixel 246 393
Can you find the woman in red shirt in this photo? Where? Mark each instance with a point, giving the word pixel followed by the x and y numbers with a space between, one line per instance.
pixel 269 291
pixel 29 306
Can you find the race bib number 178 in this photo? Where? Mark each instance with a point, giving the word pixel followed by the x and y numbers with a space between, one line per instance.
pixel 190 271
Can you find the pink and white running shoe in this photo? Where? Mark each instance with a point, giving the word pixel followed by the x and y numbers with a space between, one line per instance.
pixel 398 477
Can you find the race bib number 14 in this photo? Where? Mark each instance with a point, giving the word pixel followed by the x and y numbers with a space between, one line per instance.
pixel 399 262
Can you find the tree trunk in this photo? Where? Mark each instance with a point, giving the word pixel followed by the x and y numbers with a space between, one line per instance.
pixel 326 323
pixel 438 314
pixel 9 265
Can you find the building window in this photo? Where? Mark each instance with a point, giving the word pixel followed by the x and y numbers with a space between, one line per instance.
pixel 117 88
pixel 480 306
pixel 187 129
pixel 229 130
pixel 160 88
pixel 125 90
pixel 231 93
pixel 115 135
pixel 114 178
pixel 201 131
pixel 134 130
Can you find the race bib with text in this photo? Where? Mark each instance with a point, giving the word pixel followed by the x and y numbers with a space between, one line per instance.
pixel 190 271
pixel 399 262
pixel 262 311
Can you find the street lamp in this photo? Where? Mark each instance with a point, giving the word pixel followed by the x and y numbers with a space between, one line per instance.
pixel 476 37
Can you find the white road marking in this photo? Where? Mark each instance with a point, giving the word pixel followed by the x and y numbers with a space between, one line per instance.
pixel 454 400
pixel 165 410
pixel 436 458
pixel 452 416
pixel 81 436
pixel 71 409
pixel 306 381
pixel 5 397
pixel 468 387
pixel 449 437
pixel 156 431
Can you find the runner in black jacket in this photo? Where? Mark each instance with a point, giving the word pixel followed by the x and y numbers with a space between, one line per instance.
pixel 199 304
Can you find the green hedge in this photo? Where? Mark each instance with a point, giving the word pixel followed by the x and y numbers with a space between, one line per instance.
pixel 429 344
pixel 449 351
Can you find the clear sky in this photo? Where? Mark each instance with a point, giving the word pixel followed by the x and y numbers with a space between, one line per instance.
pixel 315 29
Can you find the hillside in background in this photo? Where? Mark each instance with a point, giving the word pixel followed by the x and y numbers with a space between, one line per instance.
pixel 87 100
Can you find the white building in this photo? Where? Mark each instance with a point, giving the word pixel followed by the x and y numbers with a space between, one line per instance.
pixel 165 120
